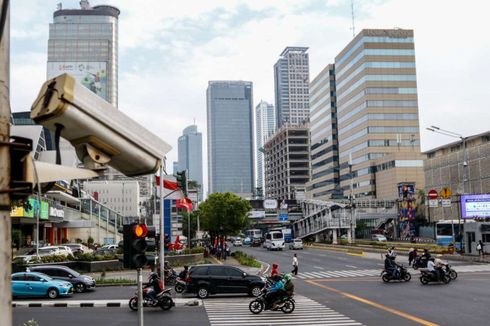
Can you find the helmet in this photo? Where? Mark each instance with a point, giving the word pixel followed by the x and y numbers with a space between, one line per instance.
pixel 287 277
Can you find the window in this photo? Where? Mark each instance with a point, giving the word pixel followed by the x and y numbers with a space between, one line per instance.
pixel 33 278
pixel 201 270
pixel 19 277
pixel 217 270
pixel 234 272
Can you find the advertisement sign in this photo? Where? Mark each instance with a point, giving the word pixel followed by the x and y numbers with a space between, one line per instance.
pixel 92 75
pixel 475 206
pixel 44 213
pixel 256 214
pixel 270 204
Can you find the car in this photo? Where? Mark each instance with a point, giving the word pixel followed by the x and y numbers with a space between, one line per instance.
pixel 78 248
pixel 109 247
pixel 256 242
pixel 378 237
pixel 58 250
pixel 209 279
pixel 247 241
pixel 237 243
pixel 25 259
pixel 296 244
pixel 81 283
pixel 32 284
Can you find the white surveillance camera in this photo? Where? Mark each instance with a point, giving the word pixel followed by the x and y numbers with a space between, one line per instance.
pixel 101 134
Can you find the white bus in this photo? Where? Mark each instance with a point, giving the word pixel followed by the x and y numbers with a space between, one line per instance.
pixel 274 240
pixel 254 234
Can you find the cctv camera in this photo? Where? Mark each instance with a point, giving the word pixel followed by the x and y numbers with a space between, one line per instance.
pixel 101 134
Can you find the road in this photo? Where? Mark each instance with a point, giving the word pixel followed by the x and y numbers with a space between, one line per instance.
pixel 332 288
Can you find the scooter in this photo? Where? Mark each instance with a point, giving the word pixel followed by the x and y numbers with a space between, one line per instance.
pixel 427 277
pixel 163 300
pixel 404 275
pixel 285 303
pixel 450 271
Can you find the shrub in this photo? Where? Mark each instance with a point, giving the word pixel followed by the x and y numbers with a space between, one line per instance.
pixel 245 259
pixel 90 241
pixel 78 240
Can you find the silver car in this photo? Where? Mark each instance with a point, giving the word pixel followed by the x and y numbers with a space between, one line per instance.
pixel 296 244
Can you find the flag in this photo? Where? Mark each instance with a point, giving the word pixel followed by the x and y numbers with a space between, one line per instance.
pixel 184 203
pixel 170 188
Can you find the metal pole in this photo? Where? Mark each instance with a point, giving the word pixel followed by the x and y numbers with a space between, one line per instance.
pixel 107 223
pixel 189 229
pixel 162 228
pixel 98 226
pixel 5 221
pixel 90 208
pixel 140 297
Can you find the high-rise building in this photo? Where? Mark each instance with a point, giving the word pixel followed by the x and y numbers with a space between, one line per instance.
pixel 84 42
pixel 377 114
pixel 287 162
pixel 291 86
pixel 324 154
pixel 190 153
pixel 265 126
pixel 230 137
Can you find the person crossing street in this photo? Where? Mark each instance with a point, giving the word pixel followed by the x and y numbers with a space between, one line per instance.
pixel 295 265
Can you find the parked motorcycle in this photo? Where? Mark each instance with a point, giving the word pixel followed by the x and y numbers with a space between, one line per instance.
pixel 427 277
pixel 285 303
pixel 180 285
pixel 404 275
pixel 163 300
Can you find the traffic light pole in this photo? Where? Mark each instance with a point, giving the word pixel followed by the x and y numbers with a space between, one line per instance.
pixel 5 221
pixel 140 297
pixel 162 230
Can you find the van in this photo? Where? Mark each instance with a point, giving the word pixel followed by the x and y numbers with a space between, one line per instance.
pixel 274 240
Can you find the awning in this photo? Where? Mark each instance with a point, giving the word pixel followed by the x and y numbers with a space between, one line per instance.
pixel 63 196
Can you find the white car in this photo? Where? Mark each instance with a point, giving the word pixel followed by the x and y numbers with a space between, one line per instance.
pixel 296 244
pixel 58 250
pixel 237 243
pixel 79 248
pixel 109 247
pixel 378 237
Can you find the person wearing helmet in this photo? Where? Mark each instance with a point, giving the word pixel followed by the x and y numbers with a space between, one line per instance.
pixel 154 286
pixel 275 292
pixel 431 267
pixel 183 274
pixel 288 286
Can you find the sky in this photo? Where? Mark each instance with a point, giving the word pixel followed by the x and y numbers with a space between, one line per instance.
pixel 169 50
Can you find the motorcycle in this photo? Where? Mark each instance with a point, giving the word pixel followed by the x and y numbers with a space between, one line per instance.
pixel 285 303
pixel 404 275
pixel 450 271
pixel 170 277
pixel 420 262
pixel 163 300
pixel 180 285
pixel 426 277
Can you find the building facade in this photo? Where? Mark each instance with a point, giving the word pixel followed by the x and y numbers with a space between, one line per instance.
pixel 230 137
pixel 122 196
pixel 377 114
pixel 84 43
pixel 265 126
pixel 287 162
pixel 444 168
pixel 190 153
pixel 291 86
pixel 324 182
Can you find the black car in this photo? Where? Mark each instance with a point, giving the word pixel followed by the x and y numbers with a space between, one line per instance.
pixel 80 282
pixel 204 280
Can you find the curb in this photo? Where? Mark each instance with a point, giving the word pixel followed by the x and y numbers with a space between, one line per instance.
pixel 123 303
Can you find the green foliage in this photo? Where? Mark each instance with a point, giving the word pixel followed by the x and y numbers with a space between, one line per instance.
pixel 245 259
pixel 90 241
pixel 185 221
pixel 78 240
pixel 114 281
pixel 224 214
pixel 30 322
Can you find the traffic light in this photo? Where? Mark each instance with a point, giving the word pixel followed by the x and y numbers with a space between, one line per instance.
pixel 182 181
pixel 134 245
pixel 151 239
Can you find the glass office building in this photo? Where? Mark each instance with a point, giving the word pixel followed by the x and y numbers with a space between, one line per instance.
pixel 230 137
pixel 84 42
pixel 190 153
pixel 265 125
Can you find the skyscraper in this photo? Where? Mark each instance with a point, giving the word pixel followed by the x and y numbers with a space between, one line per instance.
pixel 324 182
pixel 265 125
pixel 190 153
pixel 377 114
pixel 84 42
pixel 230 137
pixel 291 84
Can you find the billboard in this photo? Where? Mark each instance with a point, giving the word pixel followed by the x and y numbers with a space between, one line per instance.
pixel 475 206
pixel 29 211
pixel 92 75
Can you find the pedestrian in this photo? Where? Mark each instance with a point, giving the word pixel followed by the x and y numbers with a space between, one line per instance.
pixel 480 247
pixel 295 265
pixel 411 256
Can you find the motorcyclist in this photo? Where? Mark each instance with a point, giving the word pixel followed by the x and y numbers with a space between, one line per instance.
pixel 391 252
pixel 275 276
pixel 288 286
pixel 432 269
pixel 154 286
pixel 275 292
pixel 439 267
pixel 391 266
pixel 183 274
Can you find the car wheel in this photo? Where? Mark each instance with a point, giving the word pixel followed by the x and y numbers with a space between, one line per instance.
pixel 202 293
pixel 80 287
pixel 52 293
pixel 255 291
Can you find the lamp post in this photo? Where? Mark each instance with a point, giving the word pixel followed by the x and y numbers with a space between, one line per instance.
pixel 465 163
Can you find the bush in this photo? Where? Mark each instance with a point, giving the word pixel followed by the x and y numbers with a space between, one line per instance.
pixel 245 259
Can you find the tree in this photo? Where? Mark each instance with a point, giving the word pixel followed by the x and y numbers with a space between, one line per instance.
pixel 185 228
pixel 224 214
pixel 420 218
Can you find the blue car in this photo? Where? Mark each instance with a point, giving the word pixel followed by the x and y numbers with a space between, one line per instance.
pixel 32 284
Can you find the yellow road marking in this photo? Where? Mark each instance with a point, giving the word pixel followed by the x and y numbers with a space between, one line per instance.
pixel 376 305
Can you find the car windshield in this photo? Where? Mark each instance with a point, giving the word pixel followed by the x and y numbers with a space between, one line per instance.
pixel 276 236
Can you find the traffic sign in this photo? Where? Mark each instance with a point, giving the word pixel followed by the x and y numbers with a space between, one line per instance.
pixel 446 192
pixel 446 202
pixel 433 203
pixel 433 194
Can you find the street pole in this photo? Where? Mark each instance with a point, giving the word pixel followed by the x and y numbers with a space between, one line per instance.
pixel 90 208
pixel 350 234
pixel 98 226
pixel 140 297
pixel 162 226
pixel 5 221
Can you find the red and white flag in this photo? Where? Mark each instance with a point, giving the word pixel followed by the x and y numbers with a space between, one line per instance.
pixel 184 203
pixel 170 188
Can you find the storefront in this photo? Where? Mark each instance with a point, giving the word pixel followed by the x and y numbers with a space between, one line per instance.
pixel 24 221
pixel 474 232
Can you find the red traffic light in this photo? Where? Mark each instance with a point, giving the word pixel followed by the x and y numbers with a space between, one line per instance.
pixel 140 230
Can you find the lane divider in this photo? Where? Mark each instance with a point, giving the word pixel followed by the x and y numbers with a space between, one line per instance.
pixel 117 303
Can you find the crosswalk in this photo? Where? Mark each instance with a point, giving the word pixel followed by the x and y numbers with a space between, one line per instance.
pixel 234 311
pixel 377 272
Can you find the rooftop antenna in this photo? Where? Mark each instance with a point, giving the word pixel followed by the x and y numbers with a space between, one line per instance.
pixel 352 13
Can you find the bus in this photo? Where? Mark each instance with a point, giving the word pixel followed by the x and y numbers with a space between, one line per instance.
pixel 254 234
pixel 274 240
pixel 288 235
pixel 447 232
